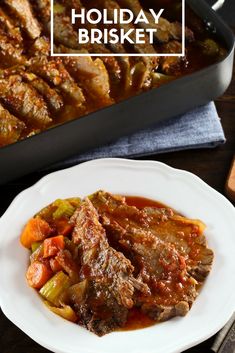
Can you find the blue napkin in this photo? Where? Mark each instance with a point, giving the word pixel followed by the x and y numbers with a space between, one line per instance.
pixel 200 128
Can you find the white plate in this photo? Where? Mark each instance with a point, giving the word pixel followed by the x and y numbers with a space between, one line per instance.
pixel 181 190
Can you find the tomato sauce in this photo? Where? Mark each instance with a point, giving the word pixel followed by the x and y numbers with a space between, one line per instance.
pixel 137 320
pixel 141 202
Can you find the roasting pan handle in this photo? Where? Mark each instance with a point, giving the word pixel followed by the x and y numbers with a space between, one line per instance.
pixel 218 4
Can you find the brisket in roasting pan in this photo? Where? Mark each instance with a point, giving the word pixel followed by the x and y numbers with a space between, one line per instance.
pixel 64 88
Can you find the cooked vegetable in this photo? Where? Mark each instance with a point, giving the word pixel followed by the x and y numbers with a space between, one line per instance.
pixel 87 277
pixel 35 230
pixel 47 212
pixel 55 266
pixel 35 246
pixel 64 209
pixel 73 248
pixel 65 259
pixel 38 274
pixel 55 287
pixel 74 201
pixel 53 245
pixel 37 255
pixel 66 311
pixel 63 226
pixel 210 47
pixel 77 292
pixel 59 209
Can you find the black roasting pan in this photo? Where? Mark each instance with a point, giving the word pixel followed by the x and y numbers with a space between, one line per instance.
pixel 138 112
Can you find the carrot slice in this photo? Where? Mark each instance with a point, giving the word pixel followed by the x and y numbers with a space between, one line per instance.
pixel 53 245
pixel 35 230
pixel 38 274
pixel 63 227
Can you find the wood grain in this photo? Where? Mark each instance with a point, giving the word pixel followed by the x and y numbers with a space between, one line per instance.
pixel 230 184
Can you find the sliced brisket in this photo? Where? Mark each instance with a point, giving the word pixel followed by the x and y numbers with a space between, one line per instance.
pixel 109 275
pixel 159 262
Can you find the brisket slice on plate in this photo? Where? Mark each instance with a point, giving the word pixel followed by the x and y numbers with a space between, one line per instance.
pixel 110 284
pixel 153 244
pixel 187 237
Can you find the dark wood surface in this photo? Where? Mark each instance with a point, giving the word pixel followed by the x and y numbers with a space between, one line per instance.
pixel 210 165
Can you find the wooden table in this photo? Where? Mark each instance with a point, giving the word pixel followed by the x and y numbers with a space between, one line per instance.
pixel 210 165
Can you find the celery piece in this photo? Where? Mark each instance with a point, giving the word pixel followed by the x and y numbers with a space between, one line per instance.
pixel 37 255
pixel 59 208
pixel 35 246
pixel 64 209
pixel 65 311
pixel 46 212
pixel 77 292
pixel 54 288
pixel 75 201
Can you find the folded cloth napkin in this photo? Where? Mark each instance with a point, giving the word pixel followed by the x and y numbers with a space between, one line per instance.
pixel 200 128
pixel 225 339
